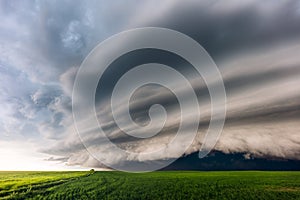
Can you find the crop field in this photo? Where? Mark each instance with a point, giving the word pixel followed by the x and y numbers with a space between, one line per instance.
pixel 154 185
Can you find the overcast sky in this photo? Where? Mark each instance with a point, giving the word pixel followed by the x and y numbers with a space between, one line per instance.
pixel 255 45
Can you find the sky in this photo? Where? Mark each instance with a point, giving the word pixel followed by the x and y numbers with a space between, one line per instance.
pixel 254 43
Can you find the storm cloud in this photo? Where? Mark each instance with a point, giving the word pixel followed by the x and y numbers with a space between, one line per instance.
pixel 255 45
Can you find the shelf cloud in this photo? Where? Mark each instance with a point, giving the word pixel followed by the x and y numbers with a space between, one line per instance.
pixel 255 45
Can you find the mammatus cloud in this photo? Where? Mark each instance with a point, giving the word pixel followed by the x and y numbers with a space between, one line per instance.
pixel 255 45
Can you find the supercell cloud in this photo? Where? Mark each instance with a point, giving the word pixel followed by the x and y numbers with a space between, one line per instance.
pixel 255 45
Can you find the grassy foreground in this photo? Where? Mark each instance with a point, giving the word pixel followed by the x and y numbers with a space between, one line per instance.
pixel 155 185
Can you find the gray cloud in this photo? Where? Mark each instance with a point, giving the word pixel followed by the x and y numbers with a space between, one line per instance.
pixel 254 43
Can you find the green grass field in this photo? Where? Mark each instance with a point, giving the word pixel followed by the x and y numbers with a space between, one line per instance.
pixel 155 185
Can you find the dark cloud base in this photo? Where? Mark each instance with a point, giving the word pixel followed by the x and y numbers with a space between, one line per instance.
pixel 237 161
